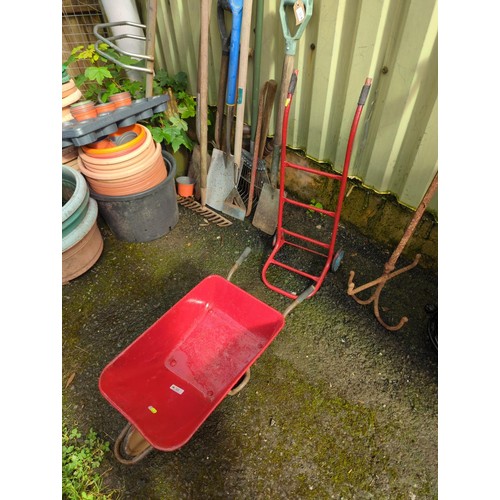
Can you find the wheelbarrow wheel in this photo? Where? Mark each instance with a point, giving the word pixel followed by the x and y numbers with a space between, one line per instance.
pixel 131 446
pixel 242 382
pixel 337 259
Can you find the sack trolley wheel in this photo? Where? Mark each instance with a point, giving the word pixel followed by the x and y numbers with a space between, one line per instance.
pixel 337 259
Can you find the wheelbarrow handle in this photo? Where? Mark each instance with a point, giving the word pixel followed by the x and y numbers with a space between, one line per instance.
pixel 303 296
pixel 238 262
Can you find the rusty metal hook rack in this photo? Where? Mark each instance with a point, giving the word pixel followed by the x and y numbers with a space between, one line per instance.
pixel 390 265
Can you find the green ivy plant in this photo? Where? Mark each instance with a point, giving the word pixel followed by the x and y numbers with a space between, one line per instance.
pixel 316 204
pixel 102 78
pixel 81 462
pixel 171 127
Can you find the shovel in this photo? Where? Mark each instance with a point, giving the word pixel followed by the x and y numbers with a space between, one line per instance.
pixel 266 213
pixel 234 204
pixel 220 178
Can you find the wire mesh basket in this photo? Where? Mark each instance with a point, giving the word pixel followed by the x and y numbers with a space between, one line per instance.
pixel 261 177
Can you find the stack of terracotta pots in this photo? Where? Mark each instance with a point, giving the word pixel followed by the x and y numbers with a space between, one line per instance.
pixel 132 180
pixel 70 95
pixel 126 162
pixel 70 157
pixel 82 243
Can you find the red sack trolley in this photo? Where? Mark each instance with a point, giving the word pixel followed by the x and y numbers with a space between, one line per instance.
pixel 285 237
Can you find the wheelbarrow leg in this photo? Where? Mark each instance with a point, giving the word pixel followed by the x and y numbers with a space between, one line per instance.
pixel 131 446
pixel 242 382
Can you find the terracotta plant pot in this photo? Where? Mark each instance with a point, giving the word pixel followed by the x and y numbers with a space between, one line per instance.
pixel 68 89
pixel 147 173
pixel 121 99
pixel 102 170
pixel 69 153
pixel 82 243
pixel 86 115
pixel 185 186
pixel 84 110
pixel 106 107
pixel 71 98
pixel 83 105
pixel 70 85
pixel 119 161
pixel 66 114
pixel 127 172
pixel 82 256
pixel 123 141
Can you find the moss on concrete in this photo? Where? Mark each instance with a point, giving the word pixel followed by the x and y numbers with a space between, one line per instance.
pixel 336 407
pixel 377 216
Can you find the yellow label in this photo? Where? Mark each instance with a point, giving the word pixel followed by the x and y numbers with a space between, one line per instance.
pixel 152 409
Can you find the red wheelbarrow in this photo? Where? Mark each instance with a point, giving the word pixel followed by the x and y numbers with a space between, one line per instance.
pixel 172 377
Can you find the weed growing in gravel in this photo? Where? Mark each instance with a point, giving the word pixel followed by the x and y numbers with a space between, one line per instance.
pixel 81 460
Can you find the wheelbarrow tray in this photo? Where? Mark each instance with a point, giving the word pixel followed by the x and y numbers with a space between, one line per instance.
pixel 172 377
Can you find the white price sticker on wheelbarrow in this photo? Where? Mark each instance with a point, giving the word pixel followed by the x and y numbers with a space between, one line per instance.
pixel 300 12
pixel 176 389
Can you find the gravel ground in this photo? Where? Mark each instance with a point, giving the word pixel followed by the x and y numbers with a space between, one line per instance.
pixel 336 407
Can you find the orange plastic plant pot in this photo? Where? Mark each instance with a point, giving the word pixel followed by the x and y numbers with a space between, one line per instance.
pixel 107 148
pixel 127 159
pixel 185 186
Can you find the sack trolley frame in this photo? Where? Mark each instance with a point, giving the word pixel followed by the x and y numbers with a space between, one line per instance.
pixel 325 250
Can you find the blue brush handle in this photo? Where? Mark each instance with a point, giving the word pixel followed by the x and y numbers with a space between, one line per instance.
pixel 234 50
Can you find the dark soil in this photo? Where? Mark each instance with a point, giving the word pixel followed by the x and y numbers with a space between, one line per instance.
pixel 337 406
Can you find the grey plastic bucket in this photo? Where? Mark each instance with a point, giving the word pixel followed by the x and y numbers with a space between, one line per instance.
pixel 142 216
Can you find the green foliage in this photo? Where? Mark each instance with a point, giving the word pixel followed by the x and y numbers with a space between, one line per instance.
pixel 316 204
pixel 103 78
pixel 171 132
pixel 177 83
pixel 171 127
pixel 81 460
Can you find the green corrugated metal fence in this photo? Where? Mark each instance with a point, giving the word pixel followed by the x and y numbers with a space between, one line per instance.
pixel 393 41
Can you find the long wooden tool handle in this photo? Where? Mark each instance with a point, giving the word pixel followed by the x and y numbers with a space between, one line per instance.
pixel 285 80
pixel 150 45
pixel 221 100
pixel 266 115
pixel 242 80
pixel 205 26
pixel 258 136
